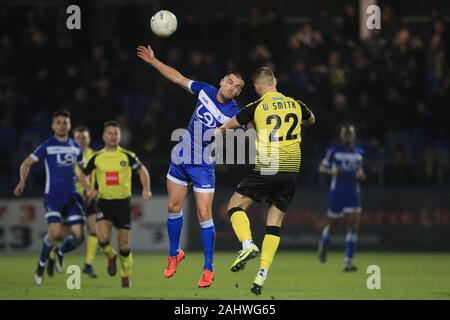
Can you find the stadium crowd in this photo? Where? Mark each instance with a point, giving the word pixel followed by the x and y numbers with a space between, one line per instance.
pixel 394 86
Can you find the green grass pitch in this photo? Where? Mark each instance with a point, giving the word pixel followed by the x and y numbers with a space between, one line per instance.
pixel 294 275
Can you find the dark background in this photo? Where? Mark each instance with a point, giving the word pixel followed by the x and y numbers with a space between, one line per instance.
pixel 394 87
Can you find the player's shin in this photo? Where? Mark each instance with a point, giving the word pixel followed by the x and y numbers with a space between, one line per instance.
pixel 350 245
pixel 107 249
pixel 208 235
pixel 241 226
pixel 91 248
pixel 269 248
pixel 70 243
pixel 47 247
pixel 126 262
pixel 323 243
pixel 174 226
pixel 325 236
pixel 52 255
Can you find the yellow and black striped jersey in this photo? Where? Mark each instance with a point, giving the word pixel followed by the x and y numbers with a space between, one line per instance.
pixel 87 154
pixel 113 170
pixel 277 119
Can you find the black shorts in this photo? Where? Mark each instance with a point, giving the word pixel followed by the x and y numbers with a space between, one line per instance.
pixel 116 211
pixel 277 189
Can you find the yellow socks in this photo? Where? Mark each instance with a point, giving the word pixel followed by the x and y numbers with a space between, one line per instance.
pixel 91 249
pixel 108 250
pixel 126 261
pixel 240 223
pixel 269 246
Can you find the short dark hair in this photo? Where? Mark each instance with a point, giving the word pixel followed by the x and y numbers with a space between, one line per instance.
pixel 236 73
pixel 111 123
pixel 80 129
pixel 61 113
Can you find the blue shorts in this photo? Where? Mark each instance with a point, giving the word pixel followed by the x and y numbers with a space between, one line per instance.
pixel 66 209
pixel 343 202
pixel 202 177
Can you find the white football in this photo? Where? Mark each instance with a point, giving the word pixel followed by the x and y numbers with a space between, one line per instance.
pixel 163 23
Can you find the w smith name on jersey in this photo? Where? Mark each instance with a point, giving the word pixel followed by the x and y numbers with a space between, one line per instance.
pixel 278 121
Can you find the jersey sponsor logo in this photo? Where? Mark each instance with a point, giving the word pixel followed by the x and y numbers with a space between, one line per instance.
pixel 63 149
pixel 347 156
pixel 204 116
pixel 348 161
pixel 214 112
pixel 66 156
pixel 112 178
pixel 66 160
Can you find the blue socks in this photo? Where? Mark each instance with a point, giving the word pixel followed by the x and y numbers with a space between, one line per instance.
pixel 47 247
pixel 325 238
pixel 174 225
pixel 68 245
pixel 350 244
pixel 208 235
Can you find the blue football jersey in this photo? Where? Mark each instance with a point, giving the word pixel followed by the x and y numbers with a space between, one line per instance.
pixel 60 159
pixel 350 161
pixel 209 114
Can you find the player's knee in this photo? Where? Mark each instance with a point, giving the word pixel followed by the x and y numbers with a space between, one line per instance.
pixel 235 201
pixel 353 228
pixel 102 239
pixel 91 228
pixel 53 236
pixel 79 239
pixel 203 214
pixel 173 208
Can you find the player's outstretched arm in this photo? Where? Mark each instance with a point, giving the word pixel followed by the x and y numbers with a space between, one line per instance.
pixel 144 176
pixel 23 172
pixel 230 124
pixel 147 54
pixel 308 117
pixel 310 121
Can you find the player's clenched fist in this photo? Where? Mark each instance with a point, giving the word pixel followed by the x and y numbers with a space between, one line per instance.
pixel 91 193
pixel 146 195
pixel 19 189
